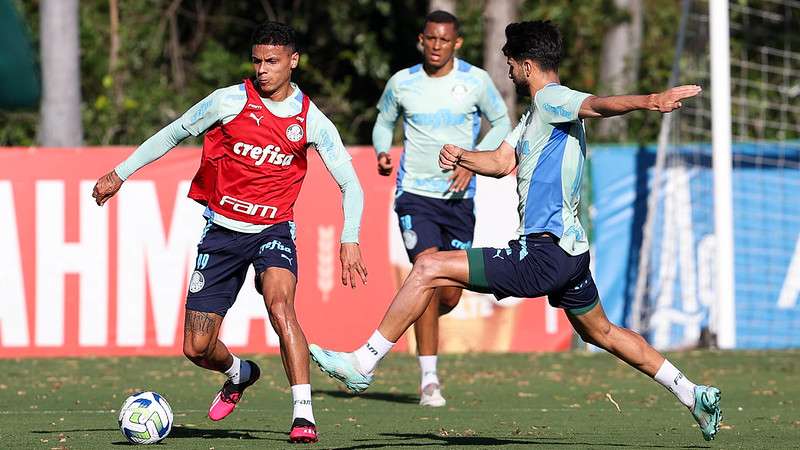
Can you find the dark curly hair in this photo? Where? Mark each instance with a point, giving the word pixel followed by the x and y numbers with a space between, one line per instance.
pixel 539 41
pixel 440 16
pixel 274 33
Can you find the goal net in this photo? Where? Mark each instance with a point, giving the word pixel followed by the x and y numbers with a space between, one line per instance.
pixel 677 302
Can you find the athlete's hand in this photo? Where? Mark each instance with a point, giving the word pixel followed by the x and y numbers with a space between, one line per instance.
pixel 460 179
pixel 352 265
pixel 670 99
pixel 449 156
pixel 106 187
pixel 385 164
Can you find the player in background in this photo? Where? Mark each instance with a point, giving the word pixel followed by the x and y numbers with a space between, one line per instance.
pixel 551 257
pixel 254 160
pixel 440 101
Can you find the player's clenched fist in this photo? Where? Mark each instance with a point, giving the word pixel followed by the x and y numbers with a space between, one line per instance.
pixel 385 164
pixel 449 156
pixel 106 187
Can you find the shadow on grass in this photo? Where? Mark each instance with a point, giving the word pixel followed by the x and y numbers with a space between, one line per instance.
pixel 380 396
pixel 181 432
pixel 402 440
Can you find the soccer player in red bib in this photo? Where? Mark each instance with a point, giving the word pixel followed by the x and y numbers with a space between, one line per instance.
pixel 257 135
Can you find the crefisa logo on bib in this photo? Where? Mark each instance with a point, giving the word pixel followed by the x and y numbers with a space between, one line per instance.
pixel 294 133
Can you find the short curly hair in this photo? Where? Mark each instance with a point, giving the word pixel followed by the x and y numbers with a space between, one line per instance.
pixel 274 33
pixel 440 16
pixel 539 41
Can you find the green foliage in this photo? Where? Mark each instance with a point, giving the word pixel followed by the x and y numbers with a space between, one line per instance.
pixel 661 21
pixel 349 50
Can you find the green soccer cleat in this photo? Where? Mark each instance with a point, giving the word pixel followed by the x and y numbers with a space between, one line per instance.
pixel 706 410
pixel 342 366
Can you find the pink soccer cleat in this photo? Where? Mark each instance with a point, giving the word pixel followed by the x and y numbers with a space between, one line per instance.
pixel 303 432
pixel 230 394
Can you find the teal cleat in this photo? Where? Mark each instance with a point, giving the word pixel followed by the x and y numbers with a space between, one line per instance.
pixel 706 410
pixel 342 366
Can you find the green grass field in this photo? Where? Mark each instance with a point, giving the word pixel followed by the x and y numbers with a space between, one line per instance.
pixel 523 401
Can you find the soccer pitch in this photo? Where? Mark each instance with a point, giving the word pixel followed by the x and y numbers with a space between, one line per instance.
pixel 515 400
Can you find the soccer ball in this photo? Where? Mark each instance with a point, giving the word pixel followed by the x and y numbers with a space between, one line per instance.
pixel 145 418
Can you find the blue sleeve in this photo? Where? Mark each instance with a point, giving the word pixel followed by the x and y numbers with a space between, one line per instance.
pixel 153 148
pixel 323 135
pixel 558 104
pixel 208 111
pixel 388 112
pixel 490 101
pixel 493 108
pixel 516 134
pixel 352 200
pixel 382 135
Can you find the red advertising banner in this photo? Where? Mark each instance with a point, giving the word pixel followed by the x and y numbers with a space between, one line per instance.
pixel 77 279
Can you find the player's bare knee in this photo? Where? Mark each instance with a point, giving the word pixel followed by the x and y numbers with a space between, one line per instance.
pixel 280 311
pixel 196 351
pixel 445 308
pixel 448 299
pixel 426 268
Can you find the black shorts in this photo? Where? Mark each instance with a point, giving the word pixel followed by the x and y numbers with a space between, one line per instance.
pixel 223 257
pixel 434 223
pixel 533 266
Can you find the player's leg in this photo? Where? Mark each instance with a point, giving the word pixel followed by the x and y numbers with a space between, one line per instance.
pixel 200 343
pixel 276 268
pixel 426 333
pixel 435 270
pixel 593 326
pixel 217 278
pixel 419 219
pixel 455 222
pixel 278 287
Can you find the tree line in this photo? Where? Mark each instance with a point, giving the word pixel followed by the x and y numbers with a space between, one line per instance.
pixel 143 63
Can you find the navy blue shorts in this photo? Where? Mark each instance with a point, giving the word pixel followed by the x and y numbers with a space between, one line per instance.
pixel 223 256
pixel 533 266
pixel 434 223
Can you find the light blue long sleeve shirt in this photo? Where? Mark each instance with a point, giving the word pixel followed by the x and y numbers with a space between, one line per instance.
pixel 438 111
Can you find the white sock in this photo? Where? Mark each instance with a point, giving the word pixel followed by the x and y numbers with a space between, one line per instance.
pixel 370 353
pixel 238 372
pixel 427 367
pixel 301 399
pixel 672 379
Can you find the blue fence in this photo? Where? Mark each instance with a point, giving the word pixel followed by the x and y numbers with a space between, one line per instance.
pixel 766 196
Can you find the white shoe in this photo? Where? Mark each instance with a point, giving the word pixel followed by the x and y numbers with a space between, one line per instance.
pixel 432 396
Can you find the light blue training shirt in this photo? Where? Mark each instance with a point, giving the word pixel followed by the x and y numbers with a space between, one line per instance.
pixel 438 111
pixel 550 144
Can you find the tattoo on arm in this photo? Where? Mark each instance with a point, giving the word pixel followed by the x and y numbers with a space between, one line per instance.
pixel 199 322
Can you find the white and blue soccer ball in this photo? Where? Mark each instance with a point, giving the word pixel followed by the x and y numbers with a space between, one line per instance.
pixel 145 418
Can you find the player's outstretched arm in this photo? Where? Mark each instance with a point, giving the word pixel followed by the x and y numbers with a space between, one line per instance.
pixel 616 105
pixel 497 163
pixel 195 121
pixel 153 148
